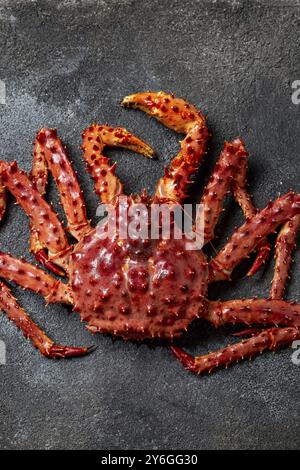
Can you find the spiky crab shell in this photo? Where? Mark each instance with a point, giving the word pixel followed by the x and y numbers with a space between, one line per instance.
pixel 137 289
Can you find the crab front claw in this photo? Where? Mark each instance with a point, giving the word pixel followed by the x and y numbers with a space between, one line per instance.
pixel 184 118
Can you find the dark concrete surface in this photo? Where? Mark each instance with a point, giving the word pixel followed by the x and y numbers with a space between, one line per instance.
pixel 70 62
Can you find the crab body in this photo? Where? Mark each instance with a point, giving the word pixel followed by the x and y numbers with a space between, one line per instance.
pixel 137 288
pixel 148 287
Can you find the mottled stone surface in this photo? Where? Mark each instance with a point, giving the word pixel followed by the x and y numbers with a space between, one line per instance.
pixel 70 62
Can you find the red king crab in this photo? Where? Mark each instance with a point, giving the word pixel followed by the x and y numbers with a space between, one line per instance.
pixel 144 288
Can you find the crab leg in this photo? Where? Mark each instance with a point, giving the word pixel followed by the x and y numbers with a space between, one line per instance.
pixel 246 239
pixel 231 160
pixel 285 245
pixel 95 139
pixel 31 277
pixel 39 171
pixel 46 346
pixel 230 171
pixel 39 177
pixel 251 311
pixel 43 219
pixel 49 152
pixel 184 118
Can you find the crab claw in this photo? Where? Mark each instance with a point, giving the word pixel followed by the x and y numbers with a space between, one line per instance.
pixel 174 113
pixel 187 360
pixel 96 137
pixel 64 352
pixel 261 258
pixel 42 257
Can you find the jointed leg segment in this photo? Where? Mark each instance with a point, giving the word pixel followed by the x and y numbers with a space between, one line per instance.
pixel 284 315
pixel 46 346
pixel 268 339
pixel 186 119
pixel 49 152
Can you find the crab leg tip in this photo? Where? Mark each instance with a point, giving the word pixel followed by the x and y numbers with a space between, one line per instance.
pixel 91 349
pixel 187 360
pixel 65 352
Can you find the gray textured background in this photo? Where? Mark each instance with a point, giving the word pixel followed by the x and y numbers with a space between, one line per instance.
pixel 68 63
